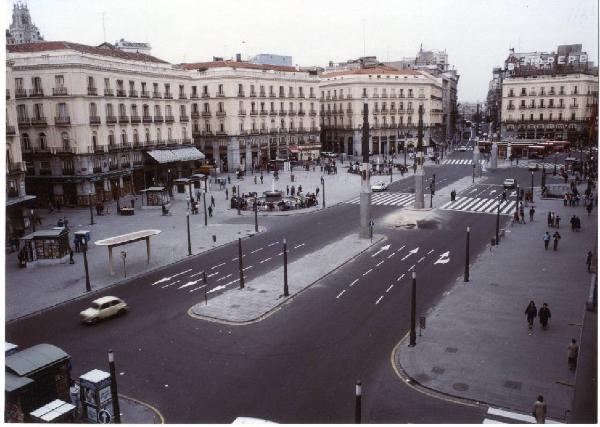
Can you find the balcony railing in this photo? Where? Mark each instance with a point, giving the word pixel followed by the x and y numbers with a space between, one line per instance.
pixel 312 113
pixel 312 95
pixel 573 106
pixel 205 95
pixel 252 94
pixel 282 112
pixel 254 113
pixel 292 112
pixel 195 114
pixel 136 119
pixel 182 96
pixel 145 94
pixel 94 120
pixel 133 93
pixel 168 95
pixel 123 119
pixel 62 120
pixel 121 92
pixel 169 119
pixel 147 119
pixel 59 91
pixel 264 112
pixel 36 93
pixel 10 130
pixel 39 121
pixel 273 113
pixel 221 113
pixel 272 95
pixel 282 95
pixel 301 113
pixel 194 96
pixel 241 112
pixel 156 95
pixel 511 107
pixel 16 167
pixel 220 94
pixel 241 94
pixel 158 118
pixel 184 118
pixel 262 94
pixel 109 92
pixel 20 93
pixel 23 121
pixel 206 114
pixel 92 91
pixel 111 119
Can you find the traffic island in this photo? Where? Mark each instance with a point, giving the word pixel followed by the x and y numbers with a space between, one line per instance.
pixel 264 295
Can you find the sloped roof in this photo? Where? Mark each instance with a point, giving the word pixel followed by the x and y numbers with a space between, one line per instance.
pixel 235 64
pixel 32 359
pixel 105 49
pixel 382 69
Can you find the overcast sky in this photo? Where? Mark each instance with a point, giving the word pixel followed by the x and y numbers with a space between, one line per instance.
pixel 476 34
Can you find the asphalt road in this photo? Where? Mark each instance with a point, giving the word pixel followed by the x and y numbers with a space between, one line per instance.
pixel 300 364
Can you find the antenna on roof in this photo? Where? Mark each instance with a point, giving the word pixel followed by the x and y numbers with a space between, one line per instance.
pixel 103 28
pixel 364 40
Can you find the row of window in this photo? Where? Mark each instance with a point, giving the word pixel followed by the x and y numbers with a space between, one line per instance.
pixel 376 121
pixel 375 94
pixel 541 103
pixel 542 91
pixel 541 116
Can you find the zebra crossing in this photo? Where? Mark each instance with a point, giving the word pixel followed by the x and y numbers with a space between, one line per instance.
pixel 479 205
pixel 503 416
pixel 546 165
pixel 460 161
pixel 387 199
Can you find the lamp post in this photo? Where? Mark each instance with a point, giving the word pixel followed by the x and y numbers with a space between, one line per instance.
pixel 358 403
pixel 91 210
pixel 286 292
pixel 467 256
pixel 413 311
pixel 189 237
pixel 498 222
pixel 113 387
pixel 241 263
pixel 204 201
pixel 255 216
pixel 323 183
pixel 419 173
pixel 88 286
pixel 532 187
pixel 365 191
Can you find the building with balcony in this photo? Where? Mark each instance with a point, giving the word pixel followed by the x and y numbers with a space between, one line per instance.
pixel 247 114
pixel 393 96
pixel 81 120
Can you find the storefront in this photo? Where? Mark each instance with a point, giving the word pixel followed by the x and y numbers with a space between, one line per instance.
pixel 155 197
pixel 46 246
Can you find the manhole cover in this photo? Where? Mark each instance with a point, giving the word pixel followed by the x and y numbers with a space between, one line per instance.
pixel 437 370
pixel 451 349
pixel 515 385
pixel 428 224
pixel 460 386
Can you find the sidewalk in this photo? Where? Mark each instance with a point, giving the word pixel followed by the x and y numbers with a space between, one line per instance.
pixel 477 345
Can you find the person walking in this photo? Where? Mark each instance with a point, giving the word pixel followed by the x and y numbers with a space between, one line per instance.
pixel 504 196
pixel 522 213
pixel 572 353
pixel 317 191
pixel 539 410
pixel 588 261
pixel 573 223
pixel 71 260
pixel 545 315
pixel 226 194
pixel 212 201
pixel 255 181
pixel 546 240
pixel 210 211
pixel 549 219
pixel 588 208
pixel 287 190
pixel 531 212
pixel 556 237
pixel 531 312
pixel 557 221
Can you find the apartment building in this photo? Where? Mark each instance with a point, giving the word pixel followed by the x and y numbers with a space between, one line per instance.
pixel 393 98
pixel 559 107
pixel 91 119
pixel 246 114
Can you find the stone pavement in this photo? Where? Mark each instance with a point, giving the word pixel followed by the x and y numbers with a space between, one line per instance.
pixel 263 295
pixel 477 345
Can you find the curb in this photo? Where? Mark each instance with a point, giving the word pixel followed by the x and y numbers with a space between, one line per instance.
pixel 147 405
pixel 283 303
pixel 121 282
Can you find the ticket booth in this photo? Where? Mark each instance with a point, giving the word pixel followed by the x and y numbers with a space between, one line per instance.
pixel 46 246
pixel 97 397
pixel 155 197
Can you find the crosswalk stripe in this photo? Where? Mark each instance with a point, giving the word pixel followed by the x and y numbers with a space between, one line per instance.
pixel 465 202
pixel 515 416
pixel 479 204
pixel 387 199
pixel 486 206
pixel 508 208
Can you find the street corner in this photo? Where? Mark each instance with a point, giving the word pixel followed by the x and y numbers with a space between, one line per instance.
pixel 415 367
pixel 135 411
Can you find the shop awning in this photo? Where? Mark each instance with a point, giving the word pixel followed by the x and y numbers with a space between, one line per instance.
pixel 32 359
pixel 180 155
pixel 15 200
pixel 13 382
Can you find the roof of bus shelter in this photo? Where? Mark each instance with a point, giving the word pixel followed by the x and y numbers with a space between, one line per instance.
pixel 127 238
pixel 182 154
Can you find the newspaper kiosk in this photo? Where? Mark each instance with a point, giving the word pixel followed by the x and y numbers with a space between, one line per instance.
pixel 97 397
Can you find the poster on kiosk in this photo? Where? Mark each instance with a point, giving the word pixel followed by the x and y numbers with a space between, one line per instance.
pixel 97 397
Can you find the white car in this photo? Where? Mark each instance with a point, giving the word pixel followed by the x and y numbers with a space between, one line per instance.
pixel 509 183
pixel 380 186
pixel 103 308
pixel 462 148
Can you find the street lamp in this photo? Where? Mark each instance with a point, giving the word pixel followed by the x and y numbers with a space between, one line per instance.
pixel 498 221
pixel 113 387
pixel 365 191
pixel 532 187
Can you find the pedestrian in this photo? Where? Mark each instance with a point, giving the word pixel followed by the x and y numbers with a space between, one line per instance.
pixel 60 222
pixel 287 190
pixel 228 179
pixel 255 181
pixel 549 219
pixel 317 191
pixel 210 210
pixel 546 240
pixel 565 200
pixel 74 394
pixel 299 189
pixel 572 353
pixel 233 190
pixel 577 223
pixel 293 190
pixel 531 212
pixel 226 194
pixel 531 312
pixel 588 208
pixel 212 200
pixel 545 315
pixel 522 213
pixel 588 261
pixel 261 178
pixel 504 195
pixel 573 223
pixel 71 260
pixel 539 410
pixel 557 221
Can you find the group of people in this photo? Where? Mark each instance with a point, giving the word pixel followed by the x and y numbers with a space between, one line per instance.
pixel 553 220
pixel 532 312
pixel 575 223
pixel 556 237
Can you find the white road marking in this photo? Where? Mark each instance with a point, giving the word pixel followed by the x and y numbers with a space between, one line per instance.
pixel 211 275
pixel 379 263
pixel 443 259
pixel 414 251
pixel 280 253
pixel 389 289
pixel 340 294
pixel 400 277
pixel 188 284
pixel 272 244
pixel 403 246
pixel 195 289
pixel 224 277
pixel 383 248
pixel 170 284
pixel 391 255
pixel 420 259
pixel 299 246
pixel 217 266
pixel 218 288
pixel 196 274
pixel 492 192
pixel 257 250
pixel 428 253
pixel 412 267
pixel 353 283
pixel 234 259
pixel 367 272
pixel 166 279
pixel 379 299
pixel 247 268
pixel 265 260
pixel 517 416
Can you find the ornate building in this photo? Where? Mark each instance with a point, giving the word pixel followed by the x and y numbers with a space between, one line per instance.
pixel 22 29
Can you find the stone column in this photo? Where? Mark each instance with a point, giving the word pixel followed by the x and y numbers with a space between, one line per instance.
pixel 356 143
pixel 419 188
pixel 476 160
pixel 233 154
pixel 494 157
pixel 58 194
pixel 248 155
pixel 217 155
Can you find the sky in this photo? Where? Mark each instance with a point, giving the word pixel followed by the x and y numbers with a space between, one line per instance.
pixel 476 34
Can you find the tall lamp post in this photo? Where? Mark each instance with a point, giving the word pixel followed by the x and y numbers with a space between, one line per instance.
pixel 113 387
pixel 419 173
pixel 498 221
pixel 91 210
pixel 365 190
pixel 532 187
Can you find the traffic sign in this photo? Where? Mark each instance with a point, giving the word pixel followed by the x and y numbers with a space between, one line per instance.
pixel 104 416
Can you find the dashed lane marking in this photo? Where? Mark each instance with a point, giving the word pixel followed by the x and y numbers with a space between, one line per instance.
pixel 166 279
pixel 247 268
pixel 217 266
pixel 420 259
pixel 400 277
pixel 353 283
pixel 211 275
pixel 379 299
pixel 379 263
pixel 225 277
pixel 412 267
pixel 299 246
pixel 391 255
pixel 340 294
pixel 266 259
pixel 272 244
pixel 389 289
pixel 428 253
pixel 367 272
pixel 195 289
pixel 170 284
pixel 256 250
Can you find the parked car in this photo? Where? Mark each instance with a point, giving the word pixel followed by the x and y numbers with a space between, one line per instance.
pixel 509 183
pixel 103 308
pixel 532 166
pixel 380 186
pixel 462 148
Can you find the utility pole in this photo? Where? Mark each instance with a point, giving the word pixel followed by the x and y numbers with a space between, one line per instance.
pixel 88 286
pixel 286 292
pixel 323 182
pixel 189 237
pixel 358 403
pixel 532 187
pixel 498 222
pixel 205 217
pixel 113 388
pixel 365 189
pixel 91 210
pixel 241 263
pixel 413 311
pixel 419 173
pixel 467 256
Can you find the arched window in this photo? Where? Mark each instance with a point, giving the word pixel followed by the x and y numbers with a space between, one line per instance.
pixel 169 134
pixel 64 137
pixel 25 142
pixel 158 137
pixel 111 138
pixel 136 138
pixel 184 132
pixel 282 124
pixel 123 137
pixel 147 135
pixel 93 109
pixel 42 141
pixel 94 140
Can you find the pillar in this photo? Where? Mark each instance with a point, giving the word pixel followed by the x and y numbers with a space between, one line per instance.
pixel 233 154
pixel 248 155
pixel 58 193
pixel 216 155
pixel 111 269
pixel 419 188
pixel 476 162
pixel 356 143
pixel 148 250
pixel 494 157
